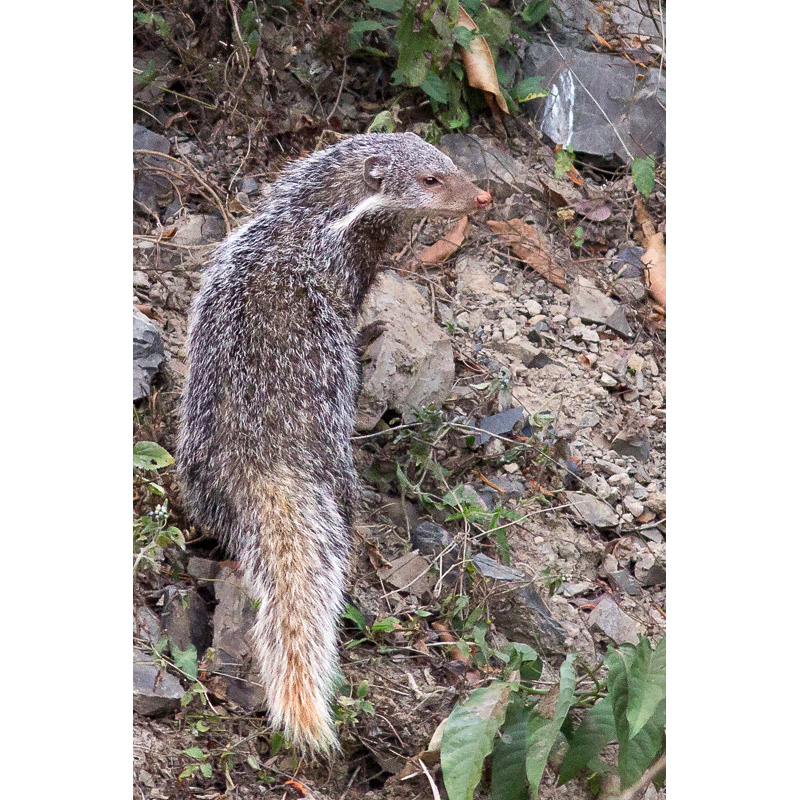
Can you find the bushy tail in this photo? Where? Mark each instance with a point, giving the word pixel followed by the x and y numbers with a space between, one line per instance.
pixel 297 569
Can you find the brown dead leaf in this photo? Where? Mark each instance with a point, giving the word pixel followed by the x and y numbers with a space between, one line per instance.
pixel 529 247
pixel 655 261
pixel 447 245
pixel 597 210
pixel 446 636
pixel 479 64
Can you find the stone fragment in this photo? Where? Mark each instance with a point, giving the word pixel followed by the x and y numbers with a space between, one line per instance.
pixel 148 354
pixel 409 573
pixel 185 620
pixel 592 511
pixel 487 166
pixel 195 229
pixel 155 691
pixel 656 576
pixel 626 582
pixel 608 618
pixel 410 365
pixel 501 424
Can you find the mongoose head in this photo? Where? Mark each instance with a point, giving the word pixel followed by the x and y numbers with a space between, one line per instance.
pixel 397 176
pixel 410 175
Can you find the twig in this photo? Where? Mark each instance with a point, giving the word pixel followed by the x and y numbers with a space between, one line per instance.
pixel 338 96
pixel 436 795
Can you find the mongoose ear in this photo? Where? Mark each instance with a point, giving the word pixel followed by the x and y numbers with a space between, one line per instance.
pixel 374 171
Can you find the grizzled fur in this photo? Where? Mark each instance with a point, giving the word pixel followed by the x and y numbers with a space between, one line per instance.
pixel 264 454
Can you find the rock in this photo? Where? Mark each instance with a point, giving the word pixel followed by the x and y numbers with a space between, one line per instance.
pixel 155 691
pixel 533 307
pixel 608 618
pixel 484 164
pixel 656 576
pixel 149 186
pixel 632 440
pixel 235 675
pixel 657 503
pixel 148 354
pixel 589 303
pixel 203 569
pixel 634 506
pixel 521 349
pixel 146 625
pixel 569 115
pixel 185 619
pixel 619 322
pixel 490 568
pixel 512 489
pixel 509 328
pixel 628 263
pixel 249 185
pixel 473 276
pixel 195 229
pixel 626 582
pixel 520 614
pixel 592 511
pixel 140 280
pixel 408 367
pixel 589 420
pixel 434 541
pixel 500 424
pixel 409 573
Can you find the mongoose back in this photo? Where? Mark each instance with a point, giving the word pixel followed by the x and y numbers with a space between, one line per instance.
pixel 264 454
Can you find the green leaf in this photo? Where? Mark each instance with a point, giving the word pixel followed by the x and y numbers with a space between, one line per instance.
pixel 565 158
pixel 151 456
pixel 508 756
pixel 188 770
pixel 647 683
pixel 252 762
pixel 529 89
pixel 542 734
pixel 194 752
pixel 386 625
pixel 468 738
pixel 434 87
pixel 644 174
pixel 363 689
pixel 355 36
pixel 206 770
pixel 464 36
pixel 355 616
pixel 391 6
pixel 494 25
pixel 535 11
pixel 185 660
pixel 636 755
pixel 382 122
pixel 595 731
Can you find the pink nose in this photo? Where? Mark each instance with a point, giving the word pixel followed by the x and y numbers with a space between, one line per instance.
pixel 483 200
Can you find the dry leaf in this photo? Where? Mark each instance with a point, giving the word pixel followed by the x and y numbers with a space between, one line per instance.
pixel 446 636
pixel 655 260
pixel 479 64
pixel 596 210
pixel 447 245
pixel 529 247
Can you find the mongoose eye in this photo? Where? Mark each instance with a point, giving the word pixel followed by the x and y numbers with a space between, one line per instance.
pixel 431 181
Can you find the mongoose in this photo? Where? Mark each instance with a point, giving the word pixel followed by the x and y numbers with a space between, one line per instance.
pixel 264 453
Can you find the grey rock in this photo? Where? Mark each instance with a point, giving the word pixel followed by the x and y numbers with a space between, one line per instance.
pixel 634 443
pixel 149 185
pixel 148 354
pixel 521 615
pixel 203 569
pixel 628 263
pixel 155 691
pixel 608 618
pixel 521 349
pixel 486 165
pixel 589 303
pixel 626 582
pixel 512 489
pixel 569 115
pixel 185 620
pixel 592 511
pixel 618 322
pixel 146 625
pixel 195 229
pixel 633 505
pixel 490 568
pixel 408 367
pixel 249 185
pixel 656 576
pixel 500 424
pixel 235 673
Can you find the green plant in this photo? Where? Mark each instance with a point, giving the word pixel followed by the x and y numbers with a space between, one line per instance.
pixel 521 729
pixel 424 38
pixel 644 174
pixel 565 159
pixel 350 707
pixel 151 530
pixel 200 762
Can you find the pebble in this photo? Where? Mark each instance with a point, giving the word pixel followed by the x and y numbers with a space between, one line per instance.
pixel 533 307
pixel 140 279
pixel 509 328
pixel 634 506
pixel 608 380
pixel 538 539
